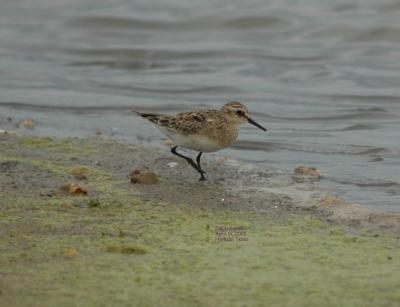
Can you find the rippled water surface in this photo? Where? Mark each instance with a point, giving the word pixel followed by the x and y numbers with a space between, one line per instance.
pixel 323 76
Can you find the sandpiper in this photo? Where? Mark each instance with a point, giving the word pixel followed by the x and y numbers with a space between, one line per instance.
pixel 203 130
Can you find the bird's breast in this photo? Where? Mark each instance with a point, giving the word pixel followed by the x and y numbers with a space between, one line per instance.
pixel 198 142
pixel 226 135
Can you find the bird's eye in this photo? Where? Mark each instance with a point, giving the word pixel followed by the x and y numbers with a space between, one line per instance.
pixel 239 112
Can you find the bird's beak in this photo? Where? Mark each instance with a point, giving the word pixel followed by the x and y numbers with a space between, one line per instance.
pixel 253 122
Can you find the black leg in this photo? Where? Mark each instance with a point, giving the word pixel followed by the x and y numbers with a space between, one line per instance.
pixel 190 161
pixel 198 162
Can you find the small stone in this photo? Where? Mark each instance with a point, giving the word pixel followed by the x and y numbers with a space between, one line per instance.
pixel 172 164
pixel 307 171
pixel 27 123
pixel 73 189
pixel 306 174
pixel 143 178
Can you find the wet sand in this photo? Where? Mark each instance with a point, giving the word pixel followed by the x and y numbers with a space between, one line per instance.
pixel 231 185
pixel 177 241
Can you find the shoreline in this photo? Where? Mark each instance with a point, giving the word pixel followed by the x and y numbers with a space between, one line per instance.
pixel 74 230
pixel 232 185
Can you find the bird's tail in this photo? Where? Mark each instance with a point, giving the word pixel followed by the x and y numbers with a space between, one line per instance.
pixel 151 117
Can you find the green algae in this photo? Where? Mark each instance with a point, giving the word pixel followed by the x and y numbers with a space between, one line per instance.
pixel 65 146
pixel 117 248
pixel 292 260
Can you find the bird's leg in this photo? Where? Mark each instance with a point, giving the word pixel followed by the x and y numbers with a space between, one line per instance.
pixel 202 178
pixel 190 161
pixel 198 162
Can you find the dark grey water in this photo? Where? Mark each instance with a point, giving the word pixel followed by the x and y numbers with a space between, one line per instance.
pixel 323 76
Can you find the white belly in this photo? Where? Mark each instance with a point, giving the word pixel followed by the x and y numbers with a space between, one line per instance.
pixel 195 142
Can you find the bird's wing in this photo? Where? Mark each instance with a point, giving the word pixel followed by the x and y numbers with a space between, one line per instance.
pixel 187 122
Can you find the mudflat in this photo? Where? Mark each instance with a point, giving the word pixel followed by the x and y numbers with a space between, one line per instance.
pixel 76 229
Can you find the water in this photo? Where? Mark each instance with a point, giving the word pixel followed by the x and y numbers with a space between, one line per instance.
pixel 323 76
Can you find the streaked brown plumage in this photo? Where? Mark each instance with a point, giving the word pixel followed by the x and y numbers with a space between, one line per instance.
pixel 203 130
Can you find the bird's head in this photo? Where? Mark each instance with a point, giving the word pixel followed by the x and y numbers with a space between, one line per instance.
pixel 239 112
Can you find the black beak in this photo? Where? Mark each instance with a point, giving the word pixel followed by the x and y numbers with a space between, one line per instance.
pixel 253 122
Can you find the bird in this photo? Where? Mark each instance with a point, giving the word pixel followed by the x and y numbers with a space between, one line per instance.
pixel 203 131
